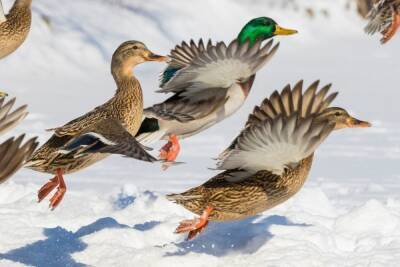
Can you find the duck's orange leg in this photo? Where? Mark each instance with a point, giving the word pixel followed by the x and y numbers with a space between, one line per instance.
pixel 391 31
pixel 195 226
pixel 62 188
pixel 47 188
pixel 170 151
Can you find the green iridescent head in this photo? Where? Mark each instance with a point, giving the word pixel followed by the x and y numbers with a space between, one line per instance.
pixel 262 28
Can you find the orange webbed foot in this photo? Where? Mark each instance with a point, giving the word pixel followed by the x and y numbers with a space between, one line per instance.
pixel 195 226
pixel 170 151
pixel 47 188
pixel 58 180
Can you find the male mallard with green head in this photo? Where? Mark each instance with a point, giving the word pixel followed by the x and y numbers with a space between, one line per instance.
pixel 209 83
pixel 270 159
pixel 384 18
pixel 15 26
pixel 13 153
pixel 109 128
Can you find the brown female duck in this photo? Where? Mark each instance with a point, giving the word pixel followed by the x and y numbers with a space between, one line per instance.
pixel 270 160
pixel 15 26
pixel 109 128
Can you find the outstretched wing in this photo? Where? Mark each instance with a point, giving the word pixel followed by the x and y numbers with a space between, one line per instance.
pixel 10 120
pixel 108 137
pixel 2 15
pixel 276 145
pixel 200 76
pixel 380 17
pixel 13 155
pixel 214 66
pixel 288 102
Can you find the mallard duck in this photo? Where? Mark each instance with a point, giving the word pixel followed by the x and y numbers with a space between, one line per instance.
pixel 270 159
pixel 13 153
pixel 209 83
pixel 384 18
pixel 109 128
pixel 15 26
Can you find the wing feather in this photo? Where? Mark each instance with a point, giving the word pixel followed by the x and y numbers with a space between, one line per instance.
pixel 215 66
pixel 289 103
pixel 277 145
pixel 10 120
pixel 13 155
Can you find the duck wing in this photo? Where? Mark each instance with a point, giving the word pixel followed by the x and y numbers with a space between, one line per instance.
pixel 9 120
pixel 110 137
pixel 14 154
pixel 281 131
pixel 381 16
pixel 83 124
pixel 276 145
pixel 200 75
pixel 288 102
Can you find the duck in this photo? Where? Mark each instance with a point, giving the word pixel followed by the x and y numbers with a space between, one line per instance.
pixel 384 18
pixel 15 26
pixel 269 161
pixel 14 151
pixel 108 129
pixel 208 82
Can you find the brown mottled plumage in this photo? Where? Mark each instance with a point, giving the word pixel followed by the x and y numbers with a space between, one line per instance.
pixel 109 128
pixel 270 160
pixel 13 153
pixel 251 196
pixel 15 28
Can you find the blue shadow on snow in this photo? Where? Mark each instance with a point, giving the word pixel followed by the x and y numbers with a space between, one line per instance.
pixel 57 248
pixel 221 238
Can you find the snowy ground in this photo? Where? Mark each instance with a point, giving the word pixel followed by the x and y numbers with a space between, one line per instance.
pixel 115 213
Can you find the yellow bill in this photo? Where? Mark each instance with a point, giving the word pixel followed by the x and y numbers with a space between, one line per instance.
pixel 282 31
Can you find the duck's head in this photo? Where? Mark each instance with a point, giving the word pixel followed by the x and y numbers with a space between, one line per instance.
pixel 342 119
pixel 262 28
pixel 23 3
pixel 130 54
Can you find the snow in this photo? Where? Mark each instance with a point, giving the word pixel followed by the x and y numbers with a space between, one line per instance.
pixel 115 213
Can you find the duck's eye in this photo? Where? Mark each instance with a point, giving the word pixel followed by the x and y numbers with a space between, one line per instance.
pixel 135 47
pixel 337 114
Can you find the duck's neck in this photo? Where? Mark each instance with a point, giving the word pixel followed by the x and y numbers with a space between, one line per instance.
pixel 128 86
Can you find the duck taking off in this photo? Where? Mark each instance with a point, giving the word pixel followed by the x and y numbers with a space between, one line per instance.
pixel 13 152
pixel 384 18
pixel 109 128
pixel 270 159
pixel 15 26
pixel 209 82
